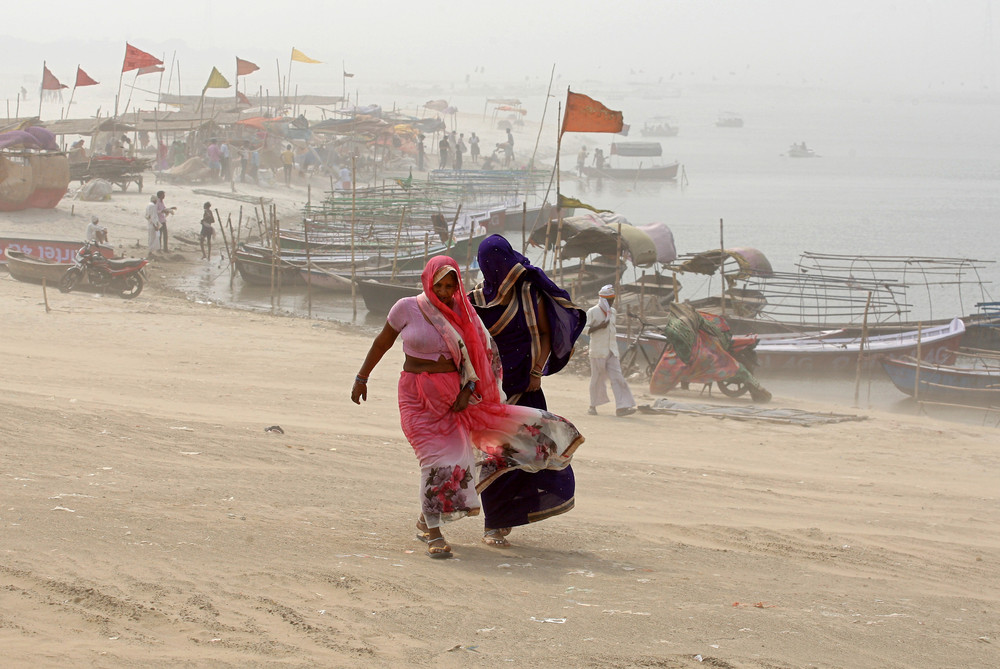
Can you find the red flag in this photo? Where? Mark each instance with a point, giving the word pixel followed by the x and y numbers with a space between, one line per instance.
pixel 584 114
pixel 242 99
pixel 83 79
pixel 244 67
pixel 136 59
pixel 49 81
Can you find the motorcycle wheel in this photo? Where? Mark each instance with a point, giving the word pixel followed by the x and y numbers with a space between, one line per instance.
pixel 731 388
pixel 132 286
pixel 628 361
pixel 70 279
pixel 99 278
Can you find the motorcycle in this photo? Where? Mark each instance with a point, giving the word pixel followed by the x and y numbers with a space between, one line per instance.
pixel 126 277
pixel 699 348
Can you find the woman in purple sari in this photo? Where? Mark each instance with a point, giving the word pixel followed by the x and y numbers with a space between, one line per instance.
pixel 535 325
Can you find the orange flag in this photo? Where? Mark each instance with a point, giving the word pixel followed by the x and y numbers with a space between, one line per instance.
pixel 83 79
pixel 584 114
pixel 137 58
pixel 49 81
pixel 245 67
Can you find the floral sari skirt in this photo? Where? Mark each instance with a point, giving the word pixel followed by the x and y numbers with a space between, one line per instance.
pixel 462 453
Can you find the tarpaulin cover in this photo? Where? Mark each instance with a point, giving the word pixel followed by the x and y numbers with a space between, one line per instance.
pixel 666 251
pixel 639 149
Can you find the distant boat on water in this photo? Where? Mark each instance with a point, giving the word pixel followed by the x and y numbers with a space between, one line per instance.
pixel 800 150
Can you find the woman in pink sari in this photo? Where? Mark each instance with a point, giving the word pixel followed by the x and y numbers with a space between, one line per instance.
pixel 451 404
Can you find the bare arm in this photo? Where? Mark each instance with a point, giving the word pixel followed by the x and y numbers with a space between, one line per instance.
pixel 381 344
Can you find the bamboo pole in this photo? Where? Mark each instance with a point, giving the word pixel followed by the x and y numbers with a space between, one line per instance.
pixel 916 372
pixel 395 251
pixel 309 297
pixel 225 243
pixel 722 272
pixel 524 226
pixel 354 268
pixel 468 251
pixel 861 350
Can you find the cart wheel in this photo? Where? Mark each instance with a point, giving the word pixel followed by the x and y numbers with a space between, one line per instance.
pixel 731 388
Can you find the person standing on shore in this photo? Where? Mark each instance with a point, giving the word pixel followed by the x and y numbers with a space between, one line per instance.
pixel 604 364
pixel 459 150
pixel 443 152
pixel 153 225
pixel 287 162
pixel 162 211
pixel 420 151
pixel 474 148
pixel 207 231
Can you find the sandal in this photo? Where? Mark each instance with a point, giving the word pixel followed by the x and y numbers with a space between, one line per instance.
pixel 424 531
pixel 496 538
pixel 442 552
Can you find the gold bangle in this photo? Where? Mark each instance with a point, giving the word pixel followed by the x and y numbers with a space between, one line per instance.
pixel 537 373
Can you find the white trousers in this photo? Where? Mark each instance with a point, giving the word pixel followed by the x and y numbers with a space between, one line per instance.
pixel 609 369
pixel 154 239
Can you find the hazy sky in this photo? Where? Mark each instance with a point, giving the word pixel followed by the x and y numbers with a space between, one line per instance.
pixel 908 45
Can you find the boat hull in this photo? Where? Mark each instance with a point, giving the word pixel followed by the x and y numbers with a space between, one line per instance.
pixel 944 383
pixel 33 270
pixel 659 173
pixel 839 355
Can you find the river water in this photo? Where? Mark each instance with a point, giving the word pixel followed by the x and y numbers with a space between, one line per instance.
pixel 897 175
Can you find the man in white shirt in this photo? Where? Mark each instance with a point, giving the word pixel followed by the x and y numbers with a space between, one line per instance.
pixel 153 225
pixel 96 232
pixel 604 364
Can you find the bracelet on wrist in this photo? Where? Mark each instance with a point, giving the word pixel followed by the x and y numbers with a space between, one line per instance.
pixel 361 379
pixel 537 373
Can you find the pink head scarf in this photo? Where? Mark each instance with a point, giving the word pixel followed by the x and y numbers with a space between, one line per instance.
pixel 464 321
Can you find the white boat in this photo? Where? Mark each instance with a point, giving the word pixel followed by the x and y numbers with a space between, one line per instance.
pixel 825 354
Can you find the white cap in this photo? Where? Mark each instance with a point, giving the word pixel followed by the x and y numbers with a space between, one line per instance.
pixel 93 219
pixel 607 291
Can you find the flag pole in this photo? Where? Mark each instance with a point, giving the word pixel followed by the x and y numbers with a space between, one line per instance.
pixel 121 76
pixel 69 105
pixel 288 79
pixel 41 90
pixel 236 85
pixel 343 79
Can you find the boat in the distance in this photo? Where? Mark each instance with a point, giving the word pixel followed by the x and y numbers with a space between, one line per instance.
pixel 800 150
pixel 659 126
pixel 729 120
pixel 643 169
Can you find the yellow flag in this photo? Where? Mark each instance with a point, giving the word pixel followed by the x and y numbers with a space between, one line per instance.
pixel 216 80
pixel 301 57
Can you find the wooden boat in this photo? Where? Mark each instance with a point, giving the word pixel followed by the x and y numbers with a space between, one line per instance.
pixel 635 150
pixel 944 383
pixel 656 173
pixel 825 355
pixel 53 250
pixel 380 296
pixel 35 270
pixel 659 127
pixel 258 269
pixel 729 120
pixel 801 151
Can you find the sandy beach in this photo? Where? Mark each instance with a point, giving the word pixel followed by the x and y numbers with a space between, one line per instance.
pixel 149 519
